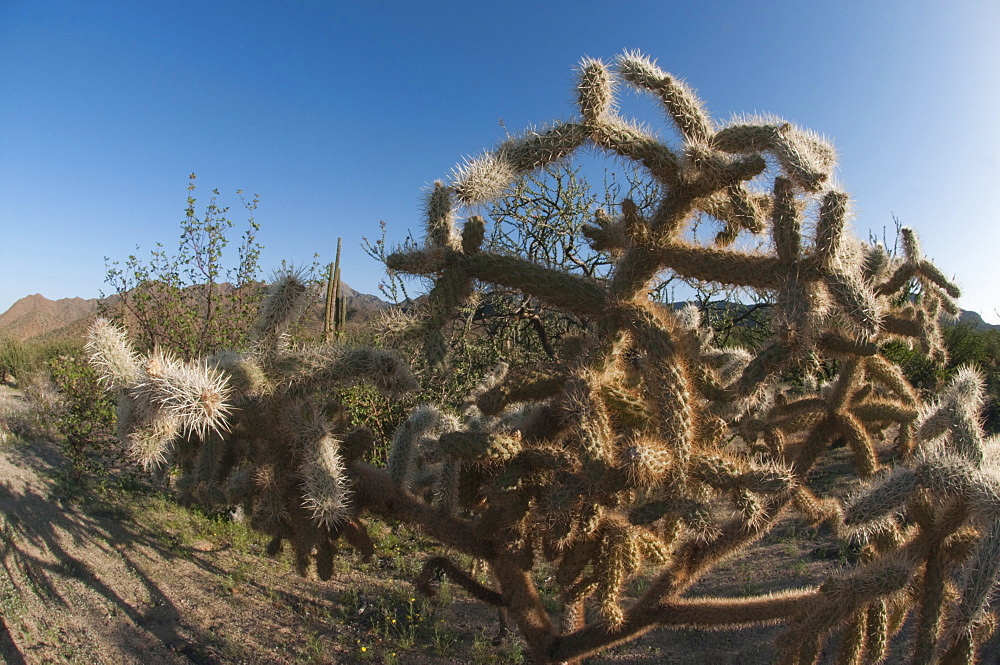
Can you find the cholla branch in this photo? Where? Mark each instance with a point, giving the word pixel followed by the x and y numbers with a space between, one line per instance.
pixel 643 446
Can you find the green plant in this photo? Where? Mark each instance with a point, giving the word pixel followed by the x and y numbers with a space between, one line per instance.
pixel 86 415
pixel 178 302
pixel 34 418
pixel 486 651
pixel 16 361
pixel 644 445
pixel 443 639
pixel 965 347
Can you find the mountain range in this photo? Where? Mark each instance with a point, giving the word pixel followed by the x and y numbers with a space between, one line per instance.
pixel 37 318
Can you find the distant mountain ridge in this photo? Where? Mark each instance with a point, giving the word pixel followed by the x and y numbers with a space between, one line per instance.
pixel 36 315
pixel 37 318
pixel 966 316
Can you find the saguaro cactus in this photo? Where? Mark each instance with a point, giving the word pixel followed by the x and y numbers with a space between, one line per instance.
pixel 646 445
pixel 335 314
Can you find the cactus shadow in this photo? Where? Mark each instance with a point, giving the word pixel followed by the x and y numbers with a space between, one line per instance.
pixel 85 567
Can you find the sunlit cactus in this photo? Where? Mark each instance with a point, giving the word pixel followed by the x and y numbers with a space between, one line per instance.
pixel 645 447
pixel 251 429
pixel 650 443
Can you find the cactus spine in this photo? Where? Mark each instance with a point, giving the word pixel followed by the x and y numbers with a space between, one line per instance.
pixel 643 441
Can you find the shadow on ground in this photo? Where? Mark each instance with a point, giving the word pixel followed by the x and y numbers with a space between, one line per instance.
pixel 76 582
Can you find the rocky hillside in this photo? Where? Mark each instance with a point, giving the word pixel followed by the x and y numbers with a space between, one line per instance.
pixel 36 315
pixel 975 320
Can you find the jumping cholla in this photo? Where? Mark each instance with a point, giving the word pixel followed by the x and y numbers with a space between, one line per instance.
pixel 647 446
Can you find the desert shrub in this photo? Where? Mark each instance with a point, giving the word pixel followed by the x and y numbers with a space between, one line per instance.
pixel 966 347
pixel 181 302
pixel 84 416
pixel 32 418
pixel 17 361
pixel 644 448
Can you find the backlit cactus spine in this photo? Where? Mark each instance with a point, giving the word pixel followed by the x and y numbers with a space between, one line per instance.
pixel 626 449
pixel 248 429
pixel 644 444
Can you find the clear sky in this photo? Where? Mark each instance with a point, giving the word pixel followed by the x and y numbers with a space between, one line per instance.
pixel 339 114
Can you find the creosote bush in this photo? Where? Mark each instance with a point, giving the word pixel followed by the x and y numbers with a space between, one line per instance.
pixel 647 446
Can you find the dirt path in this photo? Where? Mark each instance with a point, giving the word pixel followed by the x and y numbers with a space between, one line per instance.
pixel 84 585
pixel 80 587
pixel 87 580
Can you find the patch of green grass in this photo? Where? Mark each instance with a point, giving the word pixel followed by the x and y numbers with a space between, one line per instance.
pixel 236 578
pixel 184 526
pixel 393 622
pixel 11 602
pixel 315 649
pixel 444 639
pixel 398 549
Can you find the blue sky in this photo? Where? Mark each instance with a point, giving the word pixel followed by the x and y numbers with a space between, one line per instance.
pixel 340 114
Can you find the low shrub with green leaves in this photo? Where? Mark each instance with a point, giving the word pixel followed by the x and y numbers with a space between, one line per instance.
pixel 85 416
pixel 17 361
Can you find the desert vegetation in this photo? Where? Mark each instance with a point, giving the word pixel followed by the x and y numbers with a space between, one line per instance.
pixel 556 441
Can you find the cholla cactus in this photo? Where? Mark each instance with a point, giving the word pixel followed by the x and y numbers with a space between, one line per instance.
pixel 250 429
pixel 646 445
pixel 649 445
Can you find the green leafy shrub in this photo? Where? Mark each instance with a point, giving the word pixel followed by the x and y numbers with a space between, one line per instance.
pixel 180 302
pixel 17 361
pixel 966 347
pixel 85 416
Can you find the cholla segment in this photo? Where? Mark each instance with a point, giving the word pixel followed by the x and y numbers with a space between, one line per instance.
pixel 193 393
pixel 112 355
pixel 644 440
pixel 325 482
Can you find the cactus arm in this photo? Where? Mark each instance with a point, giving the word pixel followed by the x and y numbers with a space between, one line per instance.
pixel 726 267
pixel 679 101
pixel 442 565
pixel 630 140
pixel 701 613
pixel 575 293
pixel 376 492
pixel 112 355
